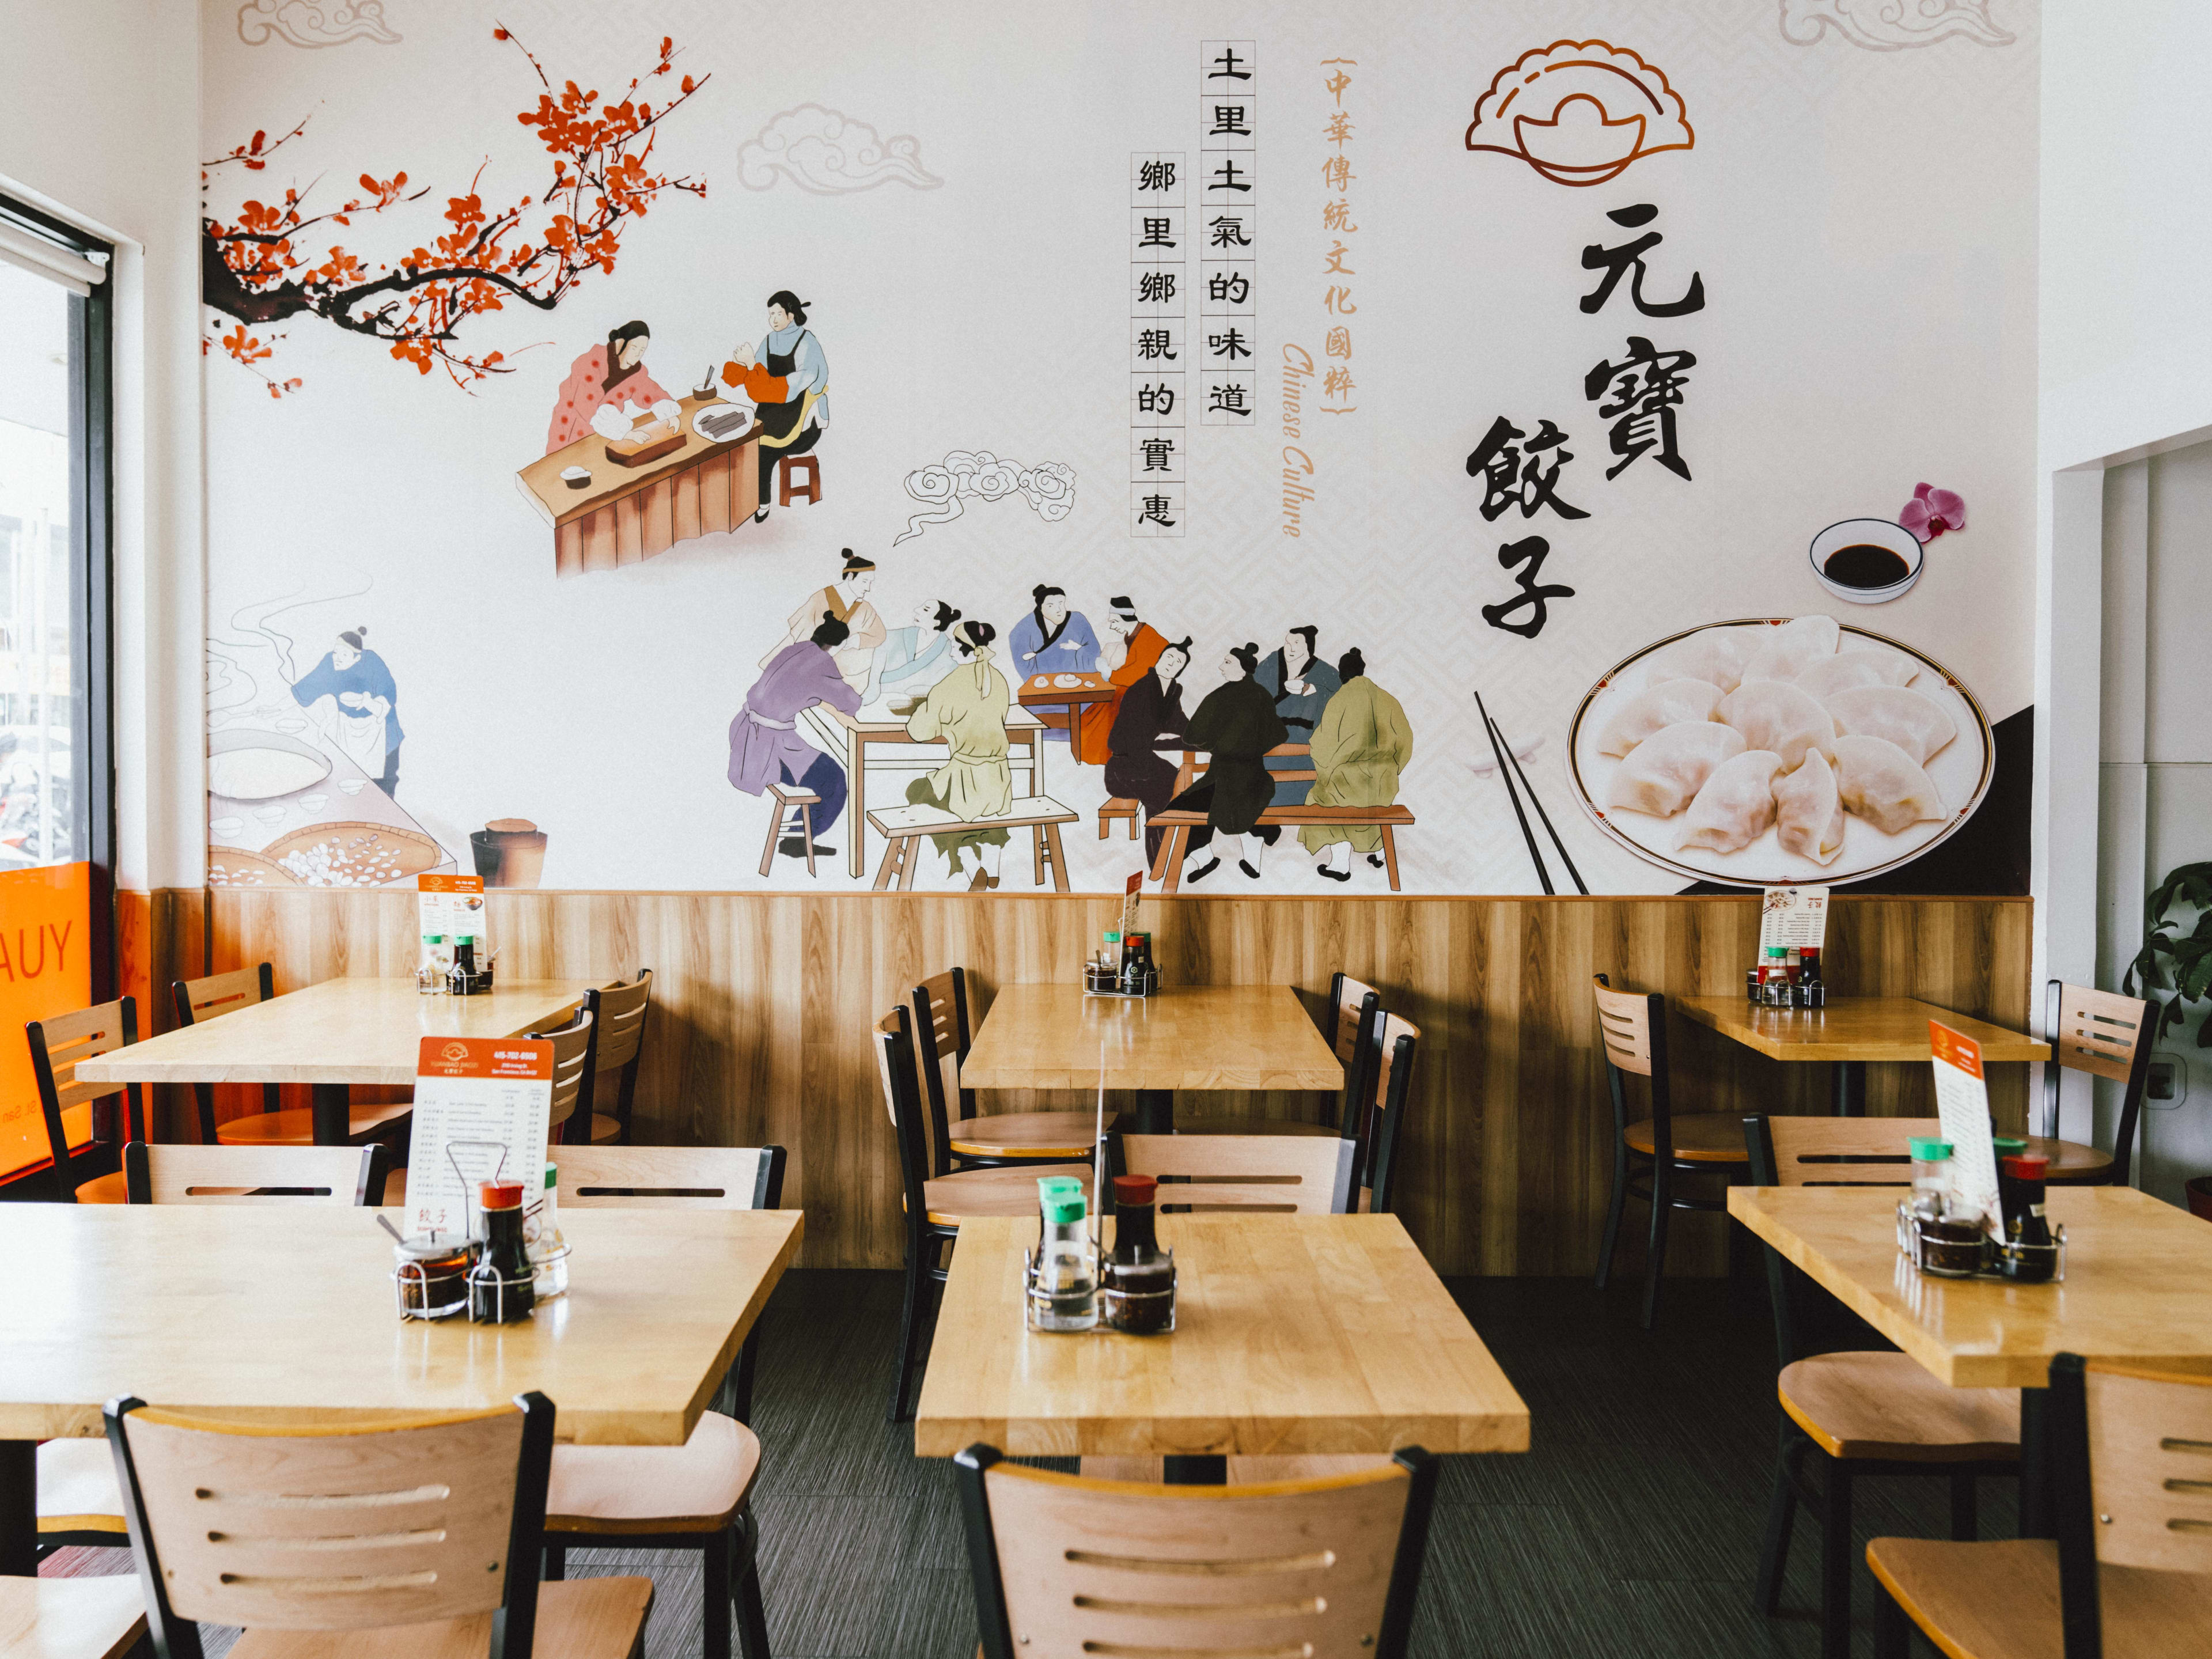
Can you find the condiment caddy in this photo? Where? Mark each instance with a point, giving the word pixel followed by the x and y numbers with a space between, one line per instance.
pixel 498 1269
pixel 1069 1283
pixel 1945 1239
pixel 1123 966
pixel 1792 928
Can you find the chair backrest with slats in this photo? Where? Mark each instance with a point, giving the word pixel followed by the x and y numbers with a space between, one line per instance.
pixel 1307 1175
pixel 2107 1036
pixel 940 1043
pixel 671 1177
pixel 1841 1151
pixel 408 1523
pixel 1066 1566
pixel 618 1045
pixel 1354 1007
pixel 253 1175
pixel 895 1068
pixel 1632 1027
pixel 1394 1044
pixel 199 999
pixel 574 1072
pixel 58 1046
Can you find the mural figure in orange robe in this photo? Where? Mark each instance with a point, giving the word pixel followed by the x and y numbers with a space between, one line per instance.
pixel 1137 646
pixel 607 389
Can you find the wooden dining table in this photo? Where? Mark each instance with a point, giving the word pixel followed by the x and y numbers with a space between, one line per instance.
pixel 2138 1288
pixel 1848 1033
pixel 1204 1037
pixel 286 1314
pixel 1295 1336
pixel 1036 691
pixel 333 1036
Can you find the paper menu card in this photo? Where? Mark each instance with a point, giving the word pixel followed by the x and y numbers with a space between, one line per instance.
pixel 1794 918
pixel 451 907
pixel 1962 1102
pixel 486 1104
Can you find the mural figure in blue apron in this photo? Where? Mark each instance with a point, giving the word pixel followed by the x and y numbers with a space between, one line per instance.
pixel 966 711
pixel 363 718
pixel 912 659
pixel 1360 744
pixel 1301 686
pixel 1149 717
pixel 1236 725
pixel 765 746
pixel 1054 640
pixel 787 378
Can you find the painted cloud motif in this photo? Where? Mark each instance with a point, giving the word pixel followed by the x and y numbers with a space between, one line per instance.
pixel 1890 25
pixel 313 22
pixel 978 474
pixel 1579 111
pixel 829 153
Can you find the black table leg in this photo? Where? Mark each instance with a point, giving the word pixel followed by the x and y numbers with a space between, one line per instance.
pixel 333 1113
pixel 1155 1111
pixel 19 1508
pixel 1198 1471
pixel 2035 1464
pixel 1847 1084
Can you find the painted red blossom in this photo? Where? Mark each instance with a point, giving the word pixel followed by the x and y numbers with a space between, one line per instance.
pixel 263 266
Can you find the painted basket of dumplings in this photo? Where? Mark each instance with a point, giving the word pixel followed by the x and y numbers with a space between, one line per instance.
pixel 1768 750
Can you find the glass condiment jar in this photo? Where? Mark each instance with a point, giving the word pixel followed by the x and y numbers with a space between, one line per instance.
pixel 541 1235
pixel 2029 1255
pixel 1931 1174
pixel 430 1271
pixel 1137 1282
pixel 1063 1290
pixel 500 1285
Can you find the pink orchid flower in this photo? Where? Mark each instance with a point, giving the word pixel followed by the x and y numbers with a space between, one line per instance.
pixel 1932 510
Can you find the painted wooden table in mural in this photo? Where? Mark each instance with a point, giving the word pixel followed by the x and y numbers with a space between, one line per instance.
pixel 1045 692
pixel 847 740
pixel 623 515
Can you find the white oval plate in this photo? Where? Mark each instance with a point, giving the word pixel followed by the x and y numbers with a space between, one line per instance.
pixel 1067 682
pixel 1960 771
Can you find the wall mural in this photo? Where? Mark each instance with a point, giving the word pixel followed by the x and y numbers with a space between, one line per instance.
pixel 1530 436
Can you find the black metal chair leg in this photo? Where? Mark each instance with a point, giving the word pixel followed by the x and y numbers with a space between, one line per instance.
pixel 557 1561
pixel 917 1276
pixel 1892 1631
pixel 1613 1210
pixel 1836 1563
pixel 753 1616
pixel 1964 1527
pixel 1655 1269
pixel 1781 1517
pixel 714 1572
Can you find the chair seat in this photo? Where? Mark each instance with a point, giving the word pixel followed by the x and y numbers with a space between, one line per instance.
pixel 604 1128
pixel 70 1618
pixel 109 1188
pixel 1885 1406
pixel 296 1126
pixel 2071 1161
pixel 1250 1126
pixel 978 1193
pixel 697 1486
pixel 76 1487
pixel 577 1618
pixel 2000 1601
pixel 1060 1135
pixel 1699 1138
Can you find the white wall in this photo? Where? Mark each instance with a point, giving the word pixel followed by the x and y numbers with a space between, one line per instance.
pixel 103 130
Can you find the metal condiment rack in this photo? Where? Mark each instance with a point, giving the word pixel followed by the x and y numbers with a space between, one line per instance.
pixel 1911 1245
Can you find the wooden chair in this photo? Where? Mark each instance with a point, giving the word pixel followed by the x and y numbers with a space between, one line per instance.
pixel 618 1012
pixel 2108 1036
pixel 1354 1007
pixel 421 1538
pixel 574 1050
pixel 1067 1565
pixel 2129 1575
pixel 694 1496
pixel 94 1173
pixel 199 999
pixel 1395 1043
pixel 941 1043
pixel 1660 1147
pixel 70 1618
pixel 1861 1413
pixel 786 798
pixel 935 1206
pixel 1242 1173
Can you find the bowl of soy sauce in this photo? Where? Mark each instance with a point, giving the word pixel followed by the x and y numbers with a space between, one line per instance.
pixel 1866 561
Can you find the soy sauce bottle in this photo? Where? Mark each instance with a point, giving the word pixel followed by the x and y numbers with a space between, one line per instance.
pixel 500 1289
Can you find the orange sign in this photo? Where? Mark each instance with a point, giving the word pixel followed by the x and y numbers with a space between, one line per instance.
pixel 45 968
pixel 1579 111
pixel 484 1057
pixel 1953 1049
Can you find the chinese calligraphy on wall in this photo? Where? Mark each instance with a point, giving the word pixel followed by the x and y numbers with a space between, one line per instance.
pixel 1229 113
pixel 1158 345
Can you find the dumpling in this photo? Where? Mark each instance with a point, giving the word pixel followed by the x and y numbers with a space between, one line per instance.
pixel 1916 724
pixel 1784 653
pixel 1668 703
pixel 1854 669
pixel 1664 772
pixel 1737 804
pixel 1773 714
pixel 1717 654
pixel 1810 812
pixel 1882 784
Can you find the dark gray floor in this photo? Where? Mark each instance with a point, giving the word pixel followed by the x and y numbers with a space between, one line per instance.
pixel 1630 1529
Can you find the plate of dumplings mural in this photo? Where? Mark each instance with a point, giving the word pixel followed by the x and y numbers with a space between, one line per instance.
pixel 1768 750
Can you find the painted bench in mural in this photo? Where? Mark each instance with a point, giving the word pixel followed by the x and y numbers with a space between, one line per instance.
pixel 1167 870
pixel 904 827
pixel 1120 806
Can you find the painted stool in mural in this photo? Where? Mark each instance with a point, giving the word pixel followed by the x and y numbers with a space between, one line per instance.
pixel 785 797
pixel 1117 807
pixel 788 484
pixel 904 827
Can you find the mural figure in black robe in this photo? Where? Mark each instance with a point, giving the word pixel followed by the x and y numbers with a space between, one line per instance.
pixel 1150 716
pixel 1236 725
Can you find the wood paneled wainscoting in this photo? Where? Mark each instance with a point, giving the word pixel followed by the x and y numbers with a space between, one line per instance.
pixel 762 1004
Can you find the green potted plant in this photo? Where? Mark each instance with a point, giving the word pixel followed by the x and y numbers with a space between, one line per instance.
pixel 2173 972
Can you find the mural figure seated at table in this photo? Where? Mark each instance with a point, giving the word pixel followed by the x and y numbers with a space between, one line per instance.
pixel 765 746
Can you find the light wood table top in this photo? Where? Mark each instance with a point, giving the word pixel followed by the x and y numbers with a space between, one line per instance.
pixel 1294 1335
pixel 288 1312
pixel 1188 1036
pixel 344 1030
pixel 2138 1283
pixel 1852 1028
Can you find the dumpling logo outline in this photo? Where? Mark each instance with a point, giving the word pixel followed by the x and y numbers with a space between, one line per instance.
pixel 1579 111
